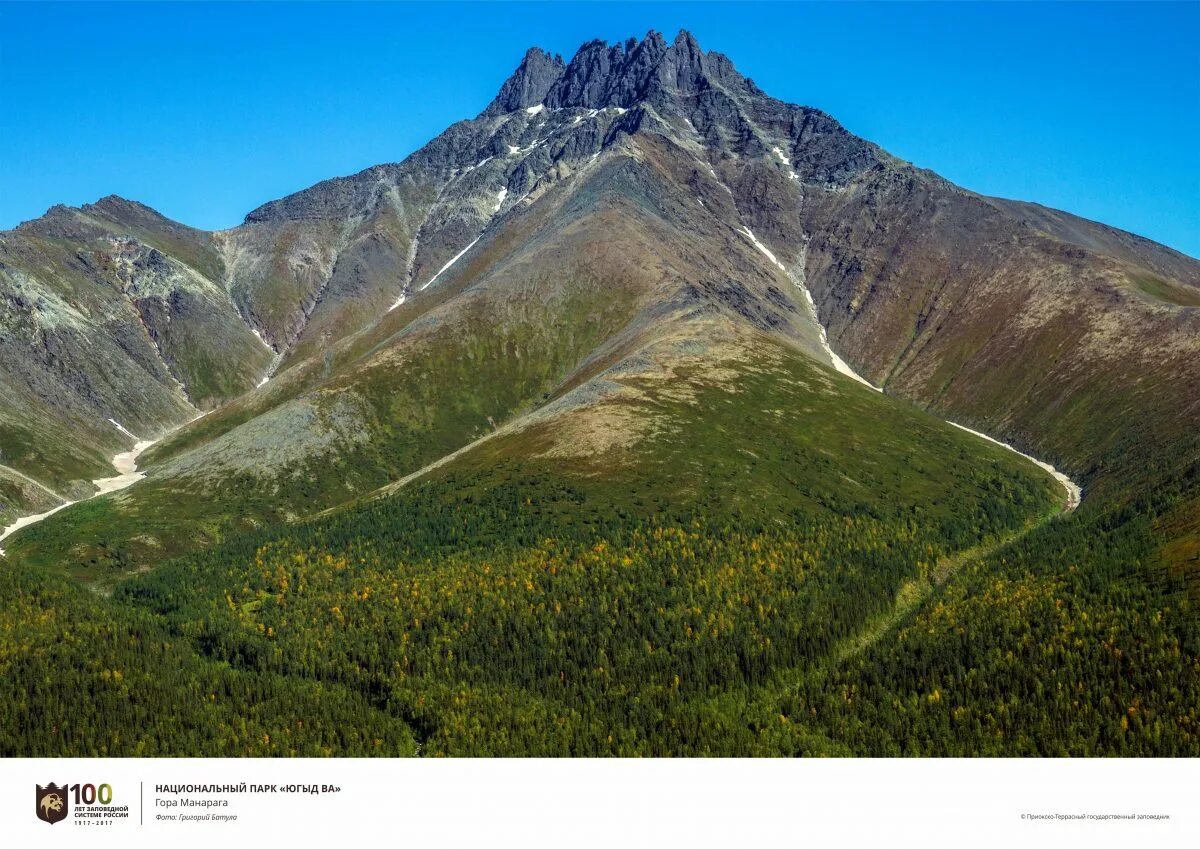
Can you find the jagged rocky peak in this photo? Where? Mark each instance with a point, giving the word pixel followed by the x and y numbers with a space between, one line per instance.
pixel 602 75
pixel 529 83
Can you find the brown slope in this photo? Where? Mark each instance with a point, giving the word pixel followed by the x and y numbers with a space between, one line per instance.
pixel 945 297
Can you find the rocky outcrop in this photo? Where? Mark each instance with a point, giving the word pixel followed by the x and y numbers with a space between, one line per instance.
pixel 529 84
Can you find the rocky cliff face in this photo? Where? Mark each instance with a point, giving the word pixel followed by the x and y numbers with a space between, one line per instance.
pixel 314 266
pixel 529 84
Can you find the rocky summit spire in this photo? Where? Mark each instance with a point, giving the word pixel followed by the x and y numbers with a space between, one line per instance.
pixel 529 83
pixel 602 75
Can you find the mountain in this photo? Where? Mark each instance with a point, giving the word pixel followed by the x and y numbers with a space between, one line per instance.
pixel 602 349
pixel 114 319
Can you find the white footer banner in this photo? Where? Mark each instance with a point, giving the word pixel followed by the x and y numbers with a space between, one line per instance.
pixel 599 803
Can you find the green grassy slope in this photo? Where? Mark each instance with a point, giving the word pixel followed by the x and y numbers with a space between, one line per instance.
pixel 422 401
pixel 715 554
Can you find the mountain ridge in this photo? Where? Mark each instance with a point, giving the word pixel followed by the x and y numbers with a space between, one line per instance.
pixel 310 268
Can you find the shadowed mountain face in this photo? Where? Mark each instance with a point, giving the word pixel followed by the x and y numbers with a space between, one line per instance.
pixel 630 265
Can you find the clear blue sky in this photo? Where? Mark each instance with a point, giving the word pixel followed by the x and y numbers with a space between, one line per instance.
pixel 206 111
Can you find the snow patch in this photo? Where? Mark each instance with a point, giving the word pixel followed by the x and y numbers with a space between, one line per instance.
pixel 534 110
pixel 445 267
pixel 403 297
pixel 126 464
pixel 765 250
pixel 782 158
pixel 121 428
pixel 500 196
pixel 26 521
pixel 718 179
pixel 1074 491
pixel 838 363
pixel 260 338
pixel 274 363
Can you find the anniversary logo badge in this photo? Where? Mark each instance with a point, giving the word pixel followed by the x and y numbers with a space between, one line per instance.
pixel 52 804
pixel 90 804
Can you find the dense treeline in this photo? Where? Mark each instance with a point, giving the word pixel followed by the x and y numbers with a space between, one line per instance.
pixel 502 629
pixel 704 637
pixel 1069 642
pixel 79 677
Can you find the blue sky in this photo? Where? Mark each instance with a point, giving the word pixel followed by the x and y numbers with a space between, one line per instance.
pixel 206 111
